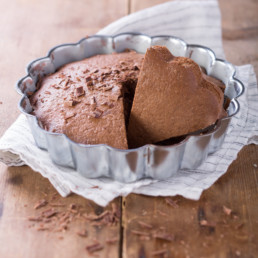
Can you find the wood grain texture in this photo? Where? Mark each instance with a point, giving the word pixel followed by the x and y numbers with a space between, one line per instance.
pixel 239 18
pixel 203 228
pixel 28 30
pixel 20 190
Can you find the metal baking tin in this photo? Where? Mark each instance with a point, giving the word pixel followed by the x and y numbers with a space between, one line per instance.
pixel 158 162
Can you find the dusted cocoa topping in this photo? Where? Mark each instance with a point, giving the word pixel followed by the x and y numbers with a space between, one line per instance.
pixel 86 100
pixel 95 101
pixel 173 97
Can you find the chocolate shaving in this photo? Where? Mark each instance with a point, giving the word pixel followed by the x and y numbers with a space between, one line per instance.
pixel 102 85
pixel 159 252
pixel 112 240
pixel 164 236
pixel 67 81
pixel 61 75
pixel 80 91
pixel 227 210
pixel 88 78
pixel 116 212
pixel 40 204
pixel 55 86
pixel 108 88
pixel 89 84
pixel 116 71
pixel 170 202
pixel 113 97
pixel 36 219
pixel 135 67
pixel 71 103
pixel 94 247
pixel 97 113
pixel 47 92
pixel 94 217
pixel 162 213
pixel 83 233
pixel 68 116
pixel 42 228
pixel 86 71
pixel 205 223
pixel 56 205
pixel 240 225
pixel 47 220
pixel 145 225
pixel 93 100
pixel 49 213
pixel 140 233
pixel 95 71
pixel 61 81
pixel 107 72
pixel 105 218
pixel 64 218
pixel 73 206
pixel 106 103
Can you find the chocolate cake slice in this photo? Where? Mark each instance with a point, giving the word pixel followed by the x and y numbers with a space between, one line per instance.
pixel 173 97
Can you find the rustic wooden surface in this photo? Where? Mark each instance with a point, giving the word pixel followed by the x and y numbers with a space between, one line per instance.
pixel 193 229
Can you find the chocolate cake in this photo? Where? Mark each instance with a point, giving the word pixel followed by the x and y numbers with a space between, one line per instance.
pixel 88 100
pixel 92 101
pixel 173 97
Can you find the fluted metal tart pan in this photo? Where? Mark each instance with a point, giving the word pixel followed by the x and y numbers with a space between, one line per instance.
pixel 158 162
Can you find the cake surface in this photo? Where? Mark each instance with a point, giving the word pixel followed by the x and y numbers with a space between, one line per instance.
pixel 173 97
pixel 85 100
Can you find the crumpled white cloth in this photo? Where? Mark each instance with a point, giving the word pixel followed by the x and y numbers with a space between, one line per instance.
pixel 197 22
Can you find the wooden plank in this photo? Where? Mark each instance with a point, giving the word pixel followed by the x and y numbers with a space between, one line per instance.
pixel 239 18
pixel 21 190
pixel 242 51
pixel 223 223
pixel 28 30
pixel 139 5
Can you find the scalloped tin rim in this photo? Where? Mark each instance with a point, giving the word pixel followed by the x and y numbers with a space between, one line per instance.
pixel 148 146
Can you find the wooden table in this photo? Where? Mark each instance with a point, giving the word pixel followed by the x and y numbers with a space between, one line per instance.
pixel 223 223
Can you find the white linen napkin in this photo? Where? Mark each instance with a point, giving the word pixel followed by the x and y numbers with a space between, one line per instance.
pixel 197 22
